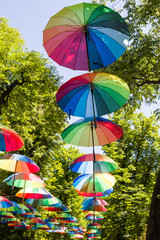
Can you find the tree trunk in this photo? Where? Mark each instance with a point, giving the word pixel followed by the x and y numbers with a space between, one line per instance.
pixel 153 230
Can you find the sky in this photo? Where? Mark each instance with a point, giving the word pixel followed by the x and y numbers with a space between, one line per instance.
pixel 30 18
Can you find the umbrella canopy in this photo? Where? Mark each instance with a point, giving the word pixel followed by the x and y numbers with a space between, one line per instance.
pixel 35 193
pixel 44 202
pixel 84 182
pixel 50 220
pixel 93 230
pixel 93 235
pixel 25 180
pixel 94 208
pixel 97 202
pixel 83 132
pixel 9 140
pixel 57 209
pixel 92 94
pixel 6 214
pixel 85 36
pixel 18 163
pixel 77 236
pixel 93 225
pixel 97 194
pixel 102 164
pixel 5 203
pixel 96 217
pixel 35 221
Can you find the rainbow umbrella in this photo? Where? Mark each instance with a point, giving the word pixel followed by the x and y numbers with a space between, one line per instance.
pixel 9 139
pixel 5 203
pixel 18 163
pixel 84 164
pixel 57 209
pixel 93 231
pixel 77 236
pixel 97 202
pixel 95 217
pixel 93 225
pixel 85 36
pixel 84 182
pixel 6 214
pixel 92 95
pixel 35 193
pixel 35 221
pixel 83 132
pixel 25 180
pixel 95 194
pixel 51 220
pixel 42 227
pixel 93 235
pixel 15 207
pixel 13 220
pixel 44 202
pixel 94 208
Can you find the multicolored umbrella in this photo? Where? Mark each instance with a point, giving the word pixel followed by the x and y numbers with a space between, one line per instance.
pixel 9 139
pixel 97 202
pixel 57 209
pixel 96 194
pixel 77 236
pixel 93 225
pixel 35 193
pixel 85 182
pixel 92 95
pixel 18 163
pixel 83 132
pixel 85 36
pixel 93 235
pixel 6 214
pixel 102 164
pixel 94 208
pixel 15 207
pixel 51 220
pixel 35 221
pixel 93 231
pixel 5 203
pixel 44 202
pixel 95 217
pixel 25 180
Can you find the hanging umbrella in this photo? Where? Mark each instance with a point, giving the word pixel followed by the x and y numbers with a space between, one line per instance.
pixel 94 208
pixel 35 193
pixel 83 132
pixel 35 221
pixel 97 202
pixel 9 140
pixel 96 194
pixel 77 236
pixel 57 209
pixel 13 220
pixel 93 235
pixel 51 220
pixel 25 180
pixel 84 164
pixel 5 203
pixel 18 163
pixel 91 216
pixel 84 182
pixel 44 202
pixel 85 36
pixel 6 214
pixel 93 231
pixel 93 225
pixel 92 95
pixel 15 207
